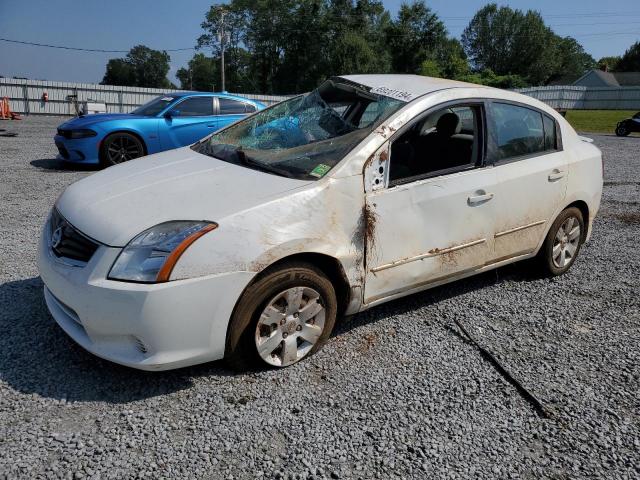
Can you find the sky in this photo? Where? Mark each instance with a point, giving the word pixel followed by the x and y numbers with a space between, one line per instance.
pixel 603 28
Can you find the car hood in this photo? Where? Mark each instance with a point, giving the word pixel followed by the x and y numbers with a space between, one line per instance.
pixel 88 120
pixel 116 204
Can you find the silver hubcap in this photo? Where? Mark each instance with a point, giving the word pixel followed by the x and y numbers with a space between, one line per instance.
pixel 565 243
pixel 290 326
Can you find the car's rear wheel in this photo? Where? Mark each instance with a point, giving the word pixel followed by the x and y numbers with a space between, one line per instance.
pixel 283 317
pixel 120 147
pixel 563 242
pixel 622 131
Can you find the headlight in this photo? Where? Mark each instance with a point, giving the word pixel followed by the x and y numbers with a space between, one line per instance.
pixel 151 256
pixel 81 133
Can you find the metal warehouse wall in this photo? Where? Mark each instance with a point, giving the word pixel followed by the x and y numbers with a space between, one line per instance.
pixel 586 98
pixel 25 96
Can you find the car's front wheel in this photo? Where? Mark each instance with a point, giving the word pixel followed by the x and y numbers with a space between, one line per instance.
pixel 622 130
pixel 120 147
pixel 283 317
pixel 563 242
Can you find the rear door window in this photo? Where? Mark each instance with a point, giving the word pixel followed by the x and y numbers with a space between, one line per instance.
pixel 517 131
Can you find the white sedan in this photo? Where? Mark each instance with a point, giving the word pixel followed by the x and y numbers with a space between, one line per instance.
pixel 249 244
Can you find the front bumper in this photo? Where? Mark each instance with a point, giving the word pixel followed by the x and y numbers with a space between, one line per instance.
pixel 80 150
pixel 149 327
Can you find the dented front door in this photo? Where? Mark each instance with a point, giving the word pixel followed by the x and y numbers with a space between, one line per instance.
pixel 426 231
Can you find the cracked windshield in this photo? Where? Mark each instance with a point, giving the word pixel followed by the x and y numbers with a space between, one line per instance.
pixel 306 136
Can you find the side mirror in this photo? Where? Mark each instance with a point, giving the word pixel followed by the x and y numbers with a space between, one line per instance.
pixel 172 113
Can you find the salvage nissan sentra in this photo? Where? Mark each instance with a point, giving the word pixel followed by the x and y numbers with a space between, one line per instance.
pixel 250 243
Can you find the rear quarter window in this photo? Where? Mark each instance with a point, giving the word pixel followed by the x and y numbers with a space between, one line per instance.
pixel 550 134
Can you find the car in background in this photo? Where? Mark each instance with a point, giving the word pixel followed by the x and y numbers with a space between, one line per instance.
pixel 250 244
pixel 630 125
pixel 168 121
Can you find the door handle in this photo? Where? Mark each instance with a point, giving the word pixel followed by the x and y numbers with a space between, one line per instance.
pixel 476 199
pixel 211 125
pixel 555 175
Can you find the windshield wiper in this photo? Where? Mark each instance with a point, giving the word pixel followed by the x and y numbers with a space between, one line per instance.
pixel 252 163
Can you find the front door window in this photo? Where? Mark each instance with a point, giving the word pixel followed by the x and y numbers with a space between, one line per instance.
pixel 444 141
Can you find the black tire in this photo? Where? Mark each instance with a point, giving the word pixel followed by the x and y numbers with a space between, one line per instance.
pixel 545 259
pixel 120 147
pixel 622 131
pixel 241 351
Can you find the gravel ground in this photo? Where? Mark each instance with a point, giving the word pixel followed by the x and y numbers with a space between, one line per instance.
pixel 396 393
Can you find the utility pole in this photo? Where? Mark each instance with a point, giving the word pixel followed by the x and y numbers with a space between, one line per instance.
pixel 222 41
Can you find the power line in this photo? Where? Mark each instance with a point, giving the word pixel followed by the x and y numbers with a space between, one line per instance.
pixel 100 50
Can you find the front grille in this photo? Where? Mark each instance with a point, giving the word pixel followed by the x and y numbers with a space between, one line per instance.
pixel 63 151
pixel 68 242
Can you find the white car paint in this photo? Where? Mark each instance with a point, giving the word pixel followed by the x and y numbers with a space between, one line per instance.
pixel 389 242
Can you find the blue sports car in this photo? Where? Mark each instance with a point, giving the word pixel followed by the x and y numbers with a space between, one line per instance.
pixel 169 121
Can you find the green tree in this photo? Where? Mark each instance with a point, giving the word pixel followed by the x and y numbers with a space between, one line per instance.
pixel 353 54
pixel 290 46
pixel 142 67
pixel 609 63
pixel 286 46
pixel 266 23
pixel 119 72
pixel 630 61
pixel 452 59
pixel 489 78
pixel 572 59
pixel 355 42
pixel 416 36
pixel 201 74
pixel 304 60
pixel 430 68
pixel 233 17
pixel 509 41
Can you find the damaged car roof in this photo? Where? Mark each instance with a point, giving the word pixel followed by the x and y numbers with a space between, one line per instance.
pixel 406 87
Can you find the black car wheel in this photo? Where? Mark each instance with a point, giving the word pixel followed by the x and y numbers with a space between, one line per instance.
pixel 120 147
pixel 622 130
